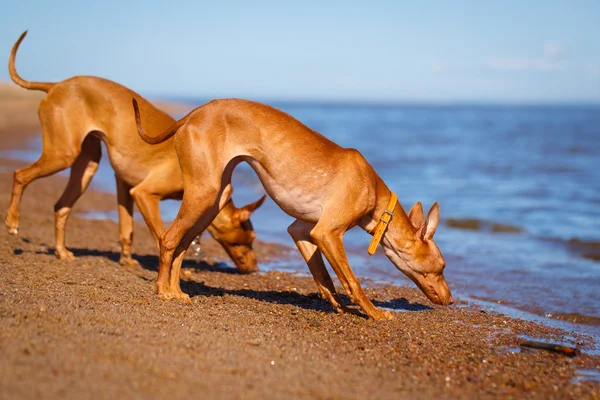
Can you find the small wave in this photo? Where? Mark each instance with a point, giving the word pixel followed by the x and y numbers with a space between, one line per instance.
pixel 587 249
pixel 481 225
pixel 580 150
pixel 577 318
pixel 585 244
pixel 100 215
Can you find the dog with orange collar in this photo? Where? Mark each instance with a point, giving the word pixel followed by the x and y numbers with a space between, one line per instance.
pixel 327 188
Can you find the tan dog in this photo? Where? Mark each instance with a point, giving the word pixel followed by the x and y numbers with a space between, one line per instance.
pixel 76 115
pixel 328 189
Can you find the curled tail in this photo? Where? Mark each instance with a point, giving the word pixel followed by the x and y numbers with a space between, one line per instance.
pixel 172 130
pixel 43 86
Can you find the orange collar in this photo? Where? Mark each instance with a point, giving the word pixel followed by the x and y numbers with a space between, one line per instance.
pixel 381 226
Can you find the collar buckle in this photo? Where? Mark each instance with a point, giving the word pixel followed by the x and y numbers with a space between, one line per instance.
pixel 384 221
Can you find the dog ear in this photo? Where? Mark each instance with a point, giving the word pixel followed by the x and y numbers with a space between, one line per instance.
pixel 247 210
pixel 431 222
pixel 415 215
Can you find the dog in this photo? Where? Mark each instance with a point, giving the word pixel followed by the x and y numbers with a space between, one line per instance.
pixel 329 189
pixel 76 115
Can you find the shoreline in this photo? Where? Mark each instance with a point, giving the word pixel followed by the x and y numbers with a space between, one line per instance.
pixel 95 326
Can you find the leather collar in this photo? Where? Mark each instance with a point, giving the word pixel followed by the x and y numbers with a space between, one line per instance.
pixel 381 226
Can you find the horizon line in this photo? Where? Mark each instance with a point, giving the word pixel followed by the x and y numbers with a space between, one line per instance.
pixel 383 102
pixel 368 101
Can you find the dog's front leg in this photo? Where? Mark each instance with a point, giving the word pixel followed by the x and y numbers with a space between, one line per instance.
pixel 199 207
pixel 300 232
pixel 331 244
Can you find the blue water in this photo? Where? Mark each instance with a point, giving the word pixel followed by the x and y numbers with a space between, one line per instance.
pixel 533 168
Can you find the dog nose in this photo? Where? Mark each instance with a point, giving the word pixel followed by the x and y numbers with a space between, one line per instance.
pixel 451 300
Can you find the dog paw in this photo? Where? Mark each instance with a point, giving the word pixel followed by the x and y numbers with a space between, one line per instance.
pixel 128 261
pixel 12 230
pixel 175 295
pixel 342 309
pixel 381 315
pixel 12 224
pixel 165 296
pixel 179 295
pixel 65 255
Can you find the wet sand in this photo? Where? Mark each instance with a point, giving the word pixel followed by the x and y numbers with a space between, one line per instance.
pixel 94 329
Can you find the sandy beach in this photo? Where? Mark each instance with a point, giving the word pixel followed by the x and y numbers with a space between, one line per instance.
pixel 94 329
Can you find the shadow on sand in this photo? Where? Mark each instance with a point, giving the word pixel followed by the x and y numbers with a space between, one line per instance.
pixel 312 301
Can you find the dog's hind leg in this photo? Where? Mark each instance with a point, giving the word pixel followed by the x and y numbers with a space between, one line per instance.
pixel 147 196
pixel 82 172
pixel 56 156
pixel 125 208
pixel 300 232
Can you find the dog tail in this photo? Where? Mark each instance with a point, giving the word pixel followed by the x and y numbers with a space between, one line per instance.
pixel 43 86
pixel 172 130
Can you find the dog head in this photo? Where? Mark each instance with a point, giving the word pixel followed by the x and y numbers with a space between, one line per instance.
pixel 414 252
pixel 233 230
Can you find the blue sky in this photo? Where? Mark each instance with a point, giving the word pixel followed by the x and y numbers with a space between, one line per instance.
pixel 426 51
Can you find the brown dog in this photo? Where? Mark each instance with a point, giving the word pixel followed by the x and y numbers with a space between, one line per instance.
pixel 328 189
pixel 76 115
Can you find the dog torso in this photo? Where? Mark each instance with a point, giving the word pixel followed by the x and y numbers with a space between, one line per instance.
pixel 299 184
pixel 102 110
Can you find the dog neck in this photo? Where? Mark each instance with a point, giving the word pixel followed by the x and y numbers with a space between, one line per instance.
pixel 399 227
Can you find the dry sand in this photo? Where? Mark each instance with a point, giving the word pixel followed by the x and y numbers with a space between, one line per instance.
pixel 94 329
